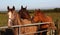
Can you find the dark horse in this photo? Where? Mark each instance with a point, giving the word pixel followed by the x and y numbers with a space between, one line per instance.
pixel 24 14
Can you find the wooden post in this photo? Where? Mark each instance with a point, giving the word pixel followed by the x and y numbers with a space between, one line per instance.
pixel 56 24
pixel 54 32
pixel 49 32
pixel 0 32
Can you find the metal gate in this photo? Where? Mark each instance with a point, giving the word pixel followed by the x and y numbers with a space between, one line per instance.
pixel 51 32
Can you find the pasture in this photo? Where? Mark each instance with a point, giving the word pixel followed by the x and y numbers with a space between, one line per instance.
pixel 4 17
pixel 54 15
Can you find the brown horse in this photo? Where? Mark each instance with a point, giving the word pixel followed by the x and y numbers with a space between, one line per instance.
pixel 41 17
pixel 24 13
pixel 15 19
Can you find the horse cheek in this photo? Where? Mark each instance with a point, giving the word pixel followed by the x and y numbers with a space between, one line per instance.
pixel 36 19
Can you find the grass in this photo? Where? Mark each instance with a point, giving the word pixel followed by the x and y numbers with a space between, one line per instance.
pixel 4 18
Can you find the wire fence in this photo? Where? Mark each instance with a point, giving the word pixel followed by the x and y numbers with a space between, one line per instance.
pixel 33 24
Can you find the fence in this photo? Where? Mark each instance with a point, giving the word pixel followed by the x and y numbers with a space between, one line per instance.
pixel 51 32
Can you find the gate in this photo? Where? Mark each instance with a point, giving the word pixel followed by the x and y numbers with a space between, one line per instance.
pixel 51 32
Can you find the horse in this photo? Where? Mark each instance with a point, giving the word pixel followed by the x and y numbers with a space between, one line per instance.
pixel 41 17
pixel 15 19
pixel 24 14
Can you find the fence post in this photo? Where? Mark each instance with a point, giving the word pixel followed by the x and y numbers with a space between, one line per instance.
pixel 54 32
pixel 0 32
pixel 56 24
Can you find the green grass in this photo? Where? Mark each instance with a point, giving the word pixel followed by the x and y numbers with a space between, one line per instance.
pixel 55 16
pixel 4 18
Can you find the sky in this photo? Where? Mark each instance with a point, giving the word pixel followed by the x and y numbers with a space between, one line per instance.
pixel 31 4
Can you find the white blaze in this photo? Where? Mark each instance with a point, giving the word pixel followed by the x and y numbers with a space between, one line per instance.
pixel 9 20
pixel 10 14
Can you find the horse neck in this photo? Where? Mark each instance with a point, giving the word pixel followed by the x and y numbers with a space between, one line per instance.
pixel 18 18
pixel 28 15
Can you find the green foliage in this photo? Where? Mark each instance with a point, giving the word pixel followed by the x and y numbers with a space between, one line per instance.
pixel 57 10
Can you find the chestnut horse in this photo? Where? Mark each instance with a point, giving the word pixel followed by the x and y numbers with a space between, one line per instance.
pixel 15 19
pixel 41 17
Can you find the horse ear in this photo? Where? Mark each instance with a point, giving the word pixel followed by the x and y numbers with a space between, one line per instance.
pixel 26 7
pixel 13 7
pixel 8 7
pixel 21 6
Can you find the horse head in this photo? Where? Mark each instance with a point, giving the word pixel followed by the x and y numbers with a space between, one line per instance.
pixel 36 16
pixel 13 19
pixel 24 13
pixel 11 15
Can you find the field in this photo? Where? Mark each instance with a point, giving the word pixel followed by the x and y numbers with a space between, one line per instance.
pixel 4 18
